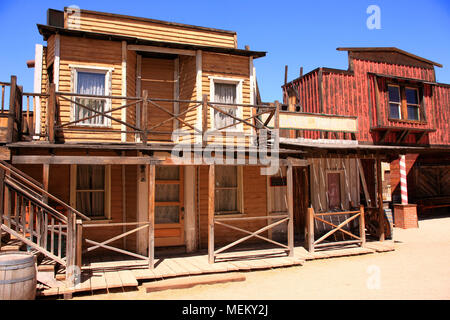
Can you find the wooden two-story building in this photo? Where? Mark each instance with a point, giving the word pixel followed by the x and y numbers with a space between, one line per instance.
pixel 398 104
pixel 149 135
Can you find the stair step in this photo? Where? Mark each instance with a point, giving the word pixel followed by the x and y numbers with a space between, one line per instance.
pixel 13 247
pixel 5 236
pixel 46 268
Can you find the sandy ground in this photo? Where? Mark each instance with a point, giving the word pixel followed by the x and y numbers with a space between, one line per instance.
pixel 419 268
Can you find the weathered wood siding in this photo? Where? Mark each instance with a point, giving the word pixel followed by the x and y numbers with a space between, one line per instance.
pixel 90 53
pixel 230 67
pixel 188 91
pixel 255 204
pixel 149 29
pixel 359 92
pixel 157 77
pixel 440 106
pixel 349 182
pixel 131 61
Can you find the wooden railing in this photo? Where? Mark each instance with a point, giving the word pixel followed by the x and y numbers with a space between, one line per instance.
pixel 312 217
pixel 143 124
pixel 251 234
pixel 16 121
pixel 26 214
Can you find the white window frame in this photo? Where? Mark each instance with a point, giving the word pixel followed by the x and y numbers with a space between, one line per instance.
pixel 74 69
pixel 412 104
pixel 73 192
pixel 399 104
pixel 239 112
pixel 239 196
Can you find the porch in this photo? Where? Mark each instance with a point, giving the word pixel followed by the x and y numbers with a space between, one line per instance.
pixel 119 272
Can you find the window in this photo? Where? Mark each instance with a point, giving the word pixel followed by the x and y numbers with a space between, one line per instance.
pixel 404 103
pixel 228 190
pixel 412 103
pixel 227 91
pixel 90 190
pixel 91 82
pixel 394 102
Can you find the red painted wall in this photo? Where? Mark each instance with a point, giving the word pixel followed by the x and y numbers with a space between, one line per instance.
pixel 353 93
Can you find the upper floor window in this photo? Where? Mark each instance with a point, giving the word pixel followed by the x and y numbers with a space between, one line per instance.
pixel 404 103
pixel 91 82
pixel 227 91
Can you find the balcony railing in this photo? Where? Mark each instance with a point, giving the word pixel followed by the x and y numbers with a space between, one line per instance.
pixel 146 119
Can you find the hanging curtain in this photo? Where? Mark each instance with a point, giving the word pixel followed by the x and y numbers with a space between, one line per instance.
pixel 94 84
pixel 225 93
pixel 90 190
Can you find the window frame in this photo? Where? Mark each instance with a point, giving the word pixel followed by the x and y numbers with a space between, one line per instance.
pixel 418 105
pixel 404 105
pixel 239 195
pixel 239 109
pixel 107 184
pixel 399 103
pixel 75 69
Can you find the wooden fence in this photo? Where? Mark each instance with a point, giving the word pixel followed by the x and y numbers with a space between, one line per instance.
pixel 312 217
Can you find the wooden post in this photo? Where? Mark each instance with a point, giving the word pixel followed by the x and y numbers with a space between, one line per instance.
pixel 290 207
pixel 310 227
pixel 45 179
pixel 277 115
pixel 380 199
pixel 190 221
pixel 204 119
pixel 144 120
pixel 362 226
pixel 70 246
pixel 211 206
pixel 12 109
pixel 51 106
pixel 151 216
pixel 79 240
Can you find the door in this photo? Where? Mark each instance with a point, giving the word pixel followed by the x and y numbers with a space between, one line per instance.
pixel 169 208
pixel 157 77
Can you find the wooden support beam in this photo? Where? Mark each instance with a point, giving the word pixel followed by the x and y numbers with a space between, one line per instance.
pixel 362 226
pixel 204 119
pixel 144 119
pixel 79 245
pixel 310 230
pixel 50 116
pixel 211 206
pixel 45 179
pixel 151 215
pixel 380 199
pixel 290 207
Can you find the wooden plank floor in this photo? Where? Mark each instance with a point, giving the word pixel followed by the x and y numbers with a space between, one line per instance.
pixel 113 272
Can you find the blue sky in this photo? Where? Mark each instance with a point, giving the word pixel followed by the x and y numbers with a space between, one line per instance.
pixel 294 33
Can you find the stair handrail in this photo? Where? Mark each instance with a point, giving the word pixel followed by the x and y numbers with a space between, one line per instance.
pixel 36 185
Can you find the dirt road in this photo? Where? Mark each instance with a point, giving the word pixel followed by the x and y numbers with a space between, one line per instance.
pixel 419 268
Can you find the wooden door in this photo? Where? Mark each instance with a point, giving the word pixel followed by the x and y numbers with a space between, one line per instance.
pixel 169 207
pixel 157 77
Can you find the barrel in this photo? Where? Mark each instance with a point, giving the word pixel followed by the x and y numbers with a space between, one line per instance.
pixel 17 276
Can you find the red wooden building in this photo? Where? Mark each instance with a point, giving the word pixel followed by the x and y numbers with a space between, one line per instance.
pixel 397 102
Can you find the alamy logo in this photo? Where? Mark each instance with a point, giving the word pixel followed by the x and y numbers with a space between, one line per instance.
pixel 73 14
pixel 218 152
pixel 374 20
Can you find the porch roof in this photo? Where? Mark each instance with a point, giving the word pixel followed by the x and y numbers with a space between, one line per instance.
pixel 46 31
pixel 351 146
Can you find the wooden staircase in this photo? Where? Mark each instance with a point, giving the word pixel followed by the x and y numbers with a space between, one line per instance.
pixel 29 222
